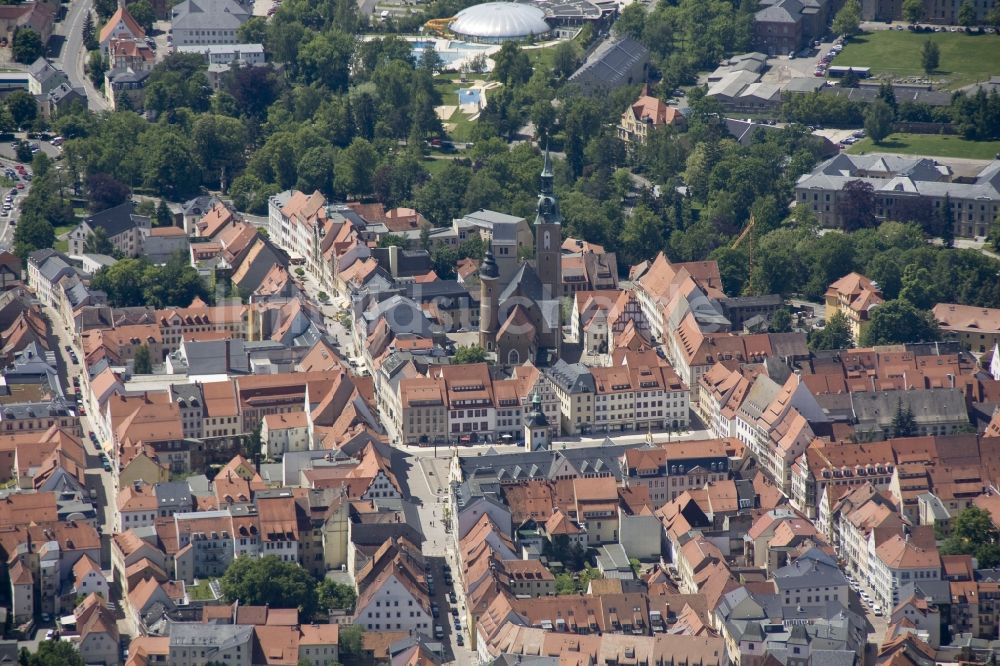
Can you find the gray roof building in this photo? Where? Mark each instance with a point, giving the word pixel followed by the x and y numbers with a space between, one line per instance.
pixel 524 465
pixel 809 572
pixel 209 639
pixel 612 64
pixel 935 411
pixel 571 377
pixel 46 77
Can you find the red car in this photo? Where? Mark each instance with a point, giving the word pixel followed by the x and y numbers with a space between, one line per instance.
pixel 20 186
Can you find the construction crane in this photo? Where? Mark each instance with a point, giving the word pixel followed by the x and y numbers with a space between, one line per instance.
pixel 747 233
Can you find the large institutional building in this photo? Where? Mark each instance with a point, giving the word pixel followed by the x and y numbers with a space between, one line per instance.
pixel 903 186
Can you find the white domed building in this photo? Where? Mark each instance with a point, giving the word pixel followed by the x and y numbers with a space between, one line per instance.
pixel 498 22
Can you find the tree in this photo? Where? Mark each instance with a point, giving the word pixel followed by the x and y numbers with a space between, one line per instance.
pixel 631 21
pixel 993 237
pixel 23 108
pixel 97 64
pixel 89 33
pixel 392 239
pixel 170 165
pixel 219 143
pixel 33 232
pixel 878 121
pixel 104 191
pixel 511 65
pixel 143 14
pixel 131 282
pixel 913 10
pixel 470 354
pixel 98 243
pixel 105 8
pixel 28 46
pixel 945 222
pixel 325 60
pixel 332 594
pixel 164 218
pixel 930 56
pixel 354 167
pixel 848 20
pixel 966 13
pixel 781 321
pixel 52 653
pixel 835 335
pixel 917 287
pixel 351 640
pixel 858 207
pixel 22 151
pixel 565 56
pixel 642 235
pixel 898 322
pixel 973 533
pixel 142 364
pixel 903 423
pixel 430 60
pixel 270 581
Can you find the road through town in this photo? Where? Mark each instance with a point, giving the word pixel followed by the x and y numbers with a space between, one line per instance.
pixel 74 56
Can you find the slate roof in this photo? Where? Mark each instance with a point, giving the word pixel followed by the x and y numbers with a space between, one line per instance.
pixel 808 572
pixel 51 264
pixel 42 70
pixel 526 465
pixel 571 377
pixel 208 14
pixel 610 64
pixel 114 220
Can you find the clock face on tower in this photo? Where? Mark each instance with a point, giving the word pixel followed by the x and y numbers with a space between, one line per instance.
pixel 547 240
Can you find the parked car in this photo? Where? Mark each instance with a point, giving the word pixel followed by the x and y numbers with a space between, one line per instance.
pixel 459 639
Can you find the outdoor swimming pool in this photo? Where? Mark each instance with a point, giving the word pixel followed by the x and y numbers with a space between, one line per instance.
pixel 469 96
pixel 450 51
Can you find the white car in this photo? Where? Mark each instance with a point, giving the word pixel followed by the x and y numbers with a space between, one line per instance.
pixel 50 634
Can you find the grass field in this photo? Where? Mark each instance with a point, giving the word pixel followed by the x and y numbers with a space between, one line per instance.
pixel 965 58
pixel 932 145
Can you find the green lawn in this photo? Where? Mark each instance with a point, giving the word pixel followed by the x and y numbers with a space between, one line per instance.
pixel 965 58
pixel 933 145
pixel 201 591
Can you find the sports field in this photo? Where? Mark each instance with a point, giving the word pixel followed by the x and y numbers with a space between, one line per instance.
pixel 965 58
pixel 932 145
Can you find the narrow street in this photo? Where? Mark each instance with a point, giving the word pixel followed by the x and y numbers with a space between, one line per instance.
pixel 73 57
pixel 427 479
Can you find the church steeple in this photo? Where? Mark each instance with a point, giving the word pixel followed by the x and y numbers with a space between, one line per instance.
pixel 547 174
pixel 548 206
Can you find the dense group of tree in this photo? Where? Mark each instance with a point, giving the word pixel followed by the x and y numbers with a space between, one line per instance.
pixel 975 116
pixel 270 581
pixel 134 282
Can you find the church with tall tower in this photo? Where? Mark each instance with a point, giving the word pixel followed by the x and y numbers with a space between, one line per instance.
pixel 520 317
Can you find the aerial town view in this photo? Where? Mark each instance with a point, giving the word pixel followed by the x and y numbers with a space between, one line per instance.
pixel 496 333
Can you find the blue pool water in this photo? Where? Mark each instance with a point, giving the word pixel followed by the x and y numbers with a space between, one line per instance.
pixel 469 96
pixel 446 57
pixel 465 46
pixel 421 44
